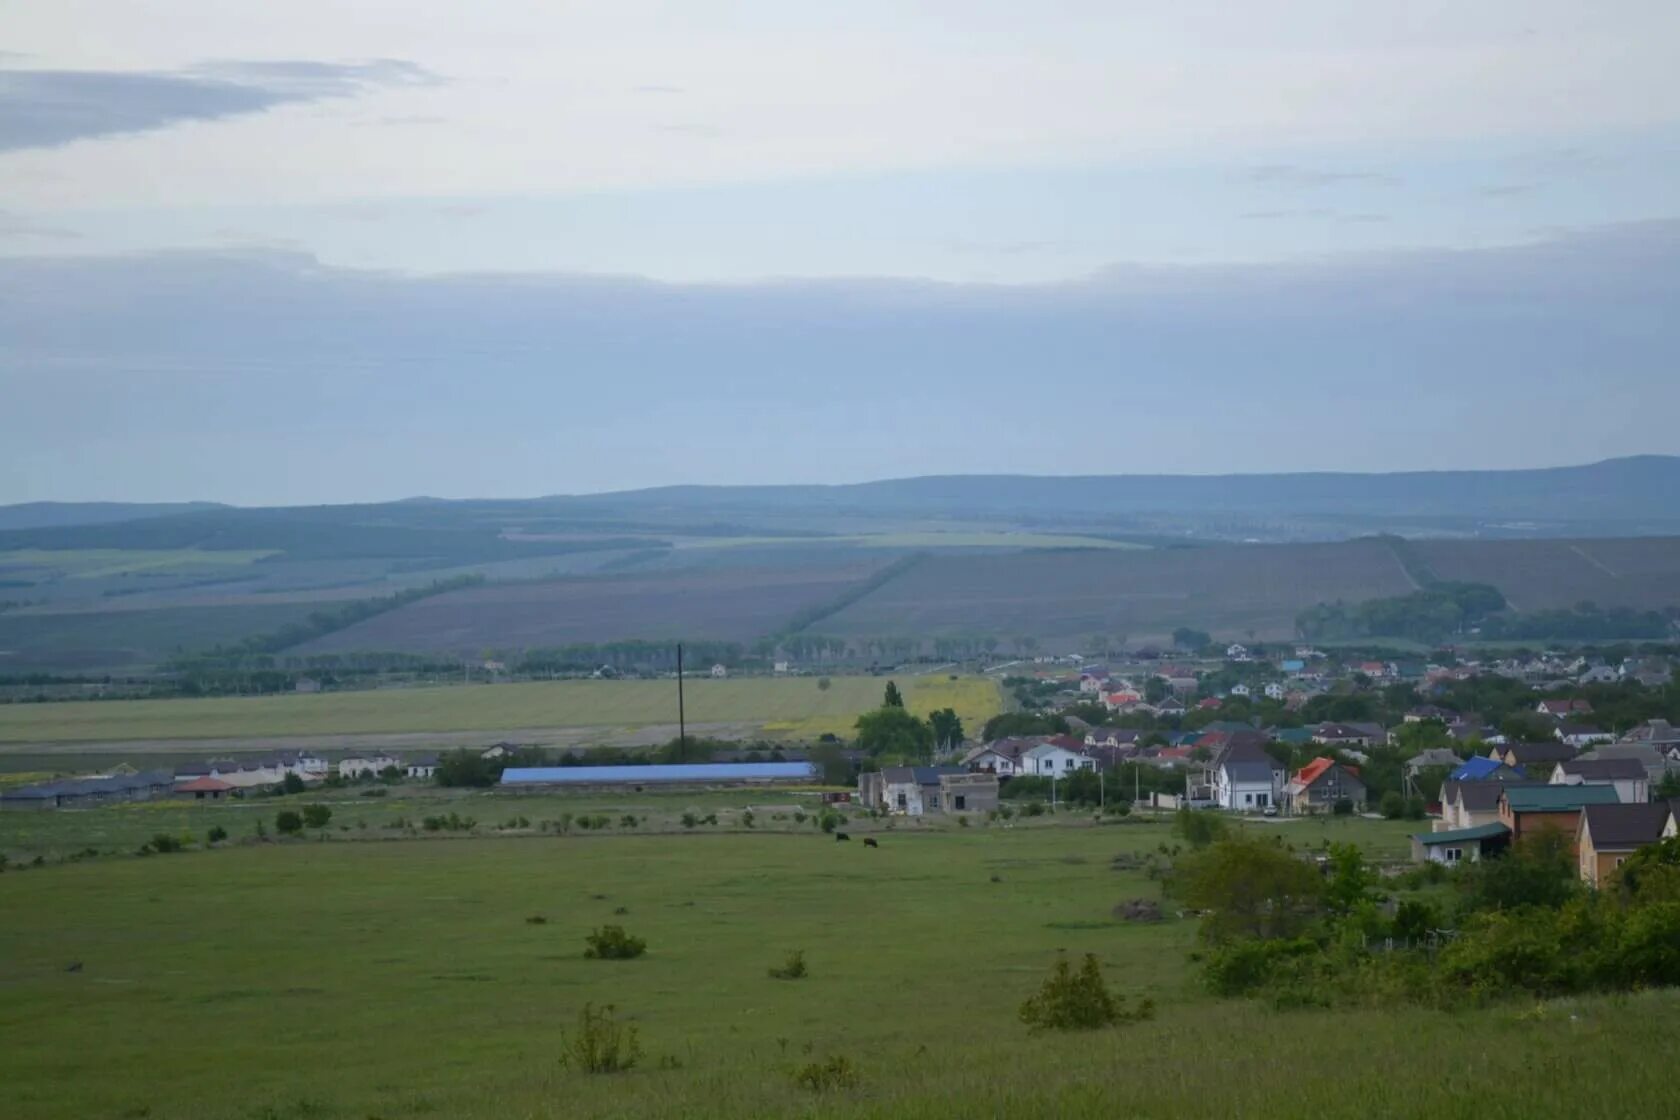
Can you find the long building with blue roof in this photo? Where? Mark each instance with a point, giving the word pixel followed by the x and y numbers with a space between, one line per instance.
pixel 687 773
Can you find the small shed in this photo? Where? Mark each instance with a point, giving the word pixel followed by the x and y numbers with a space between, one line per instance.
pixel 1460 845
pixel 205 788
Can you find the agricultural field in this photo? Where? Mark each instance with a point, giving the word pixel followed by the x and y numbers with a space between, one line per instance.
pixel 340 981
pixel 1144 594
pixel 716 604
pixel 1642 573
pixel 124 640
pixel 791 705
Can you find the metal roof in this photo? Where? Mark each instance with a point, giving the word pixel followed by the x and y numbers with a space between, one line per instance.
pixel 1557 799
pixel 1454 835
pixel 641 775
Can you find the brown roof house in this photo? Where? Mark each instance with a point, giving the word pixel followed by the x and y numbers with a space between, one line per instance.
pixel 1317 786
pixel 1527 809
pixel 1608 834
pixel 1626 775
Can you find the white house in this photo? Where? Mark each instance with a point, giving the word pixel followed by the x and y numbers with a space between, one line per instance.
pixel 1055 760
pixel 1091 682
pixel 914 790
pixel 1241 690
pixel 1581 737
pixel 1628 775
pixel 1275 690
pixel 720 671
pixel 1248 783
pixel 783 667
pixel 367 766
pixel 425 766
pixel 1235 652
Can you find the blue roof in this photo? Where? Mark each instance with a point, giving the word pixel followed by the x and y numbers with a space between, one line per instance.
pixel 1293 665
pixel 1478 768
pixel 638 775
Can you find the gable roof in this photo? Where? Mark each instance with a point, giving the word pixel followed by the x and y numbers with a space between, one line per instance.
pixel 205 784
pixel 1478 796
pixel 1250 770
pixel 1316 769
pixel 1527 754
pixel 1455 835
pixel 1556 799
pixel 1604 769
pixel 1476 769
pixel 1625 826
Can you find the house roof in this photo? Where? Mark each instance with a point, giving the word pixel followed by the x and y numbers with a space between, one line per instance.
pixel 205 784
pixel 1457 835
pixel 1556 799
pixel 1250 770
pixel 1478 796
pixel 1476 769
pixel 1564 707
pixel 1604 769
pixel 920 775
pixel 1315 770
pixel 1625 826
pixel 1435 756
pixel 1527 754
pixel 1565 730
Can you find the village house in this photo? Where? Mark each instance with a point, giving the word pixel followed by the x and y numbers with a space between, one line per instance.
pixel 1536 759
pixel 1320 784
pixel 1629 779
pixel 913 790
pixel 1002 757
pixel 97 789
pixel 1655 761
pixel 1563 709
pixel 424 766
pixel 1526 809
pixel 1275 691
pixel 204 788
pixel 1092 682
pixel 1122 699
pixel 1580 735
pixel 1469 804
pixel 1113 737
pixel 367 766
pixel 1248 780
pixel 968 793
pixel 1481 769
pixel 1460 845
pixel 1058 757
pixel 720 671
pixel 1350 734
pixel 1608 834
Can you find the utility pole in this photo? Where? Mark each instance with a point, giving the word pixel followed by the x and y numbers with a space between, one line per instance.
pixel 682 714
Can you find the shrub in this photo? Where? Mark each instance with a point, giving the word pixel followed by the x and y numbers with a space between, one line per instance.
pixel 291 783
pixel 1199 827
pixel 1393 805
pixel 1033 809
pixel 1416 810
pixel 611 943
pixel 628 820
pixel 288 823
pixel 830 821
pixel 689 820
pixel 600 1044
pixel 747 818
pixel 316 816
pixel 1078 1001
pixel 165 843
pixel 376 791
pixel 791 969
pixel 216 835
pixel 826 1077
pixel 798 817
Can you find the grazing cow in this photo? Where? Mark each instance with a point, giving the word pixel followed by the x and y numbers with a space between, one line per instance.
pixel 869 842
pixel 839 836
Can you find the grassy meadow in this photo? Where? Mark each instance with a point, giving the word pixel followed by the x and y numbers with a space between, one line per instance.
pixel 357 980
pixel 784 706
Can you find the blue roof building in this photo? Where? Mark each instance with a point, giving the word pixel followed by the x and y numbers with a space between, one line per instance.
pixel 691 773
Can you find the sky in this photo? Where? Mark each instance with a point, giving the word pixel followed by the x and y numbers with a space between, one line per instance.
pixel 359 250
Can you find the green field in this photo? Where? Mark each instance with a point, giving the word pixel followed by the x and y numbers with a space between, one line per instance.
pixel 403 979
pixel 104 563
pixel 794 707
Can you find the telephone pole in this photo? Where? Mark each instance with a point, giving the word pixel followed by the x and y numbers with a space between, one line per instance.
pixel 682 715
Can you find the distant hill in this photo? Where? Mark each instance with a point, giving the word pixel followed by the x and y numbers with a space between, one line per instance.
pixel 51 515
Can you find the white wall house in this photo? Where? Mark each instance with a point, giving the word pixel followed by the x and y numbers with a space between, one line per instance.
pixel 1247 786
pixel 1047 760
pixel 1629 776
pixel 366 766
pixel 422 767
pixel 1003 763
pixel 1275 690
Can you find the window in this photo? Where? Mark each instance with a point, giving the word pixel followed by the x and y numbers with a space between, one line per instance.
pixel 1620 860
pixel 903 802
pixel 1453 855
pixel 1260 799
pixel 962 802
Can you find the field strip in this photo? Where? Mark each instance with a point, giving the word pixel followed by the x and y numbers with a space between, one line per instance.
pixel 1595 561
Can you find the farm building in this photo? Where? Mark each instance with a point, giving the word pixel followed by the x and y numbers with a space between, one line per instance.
pixel 423 766
pixel 101 789
pixel 204 788
pixel 968 793
pixel 683 774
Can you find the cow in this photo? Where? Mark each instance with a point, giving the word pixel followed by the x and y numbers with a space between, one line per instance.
pixel 839 836
pixel 869 842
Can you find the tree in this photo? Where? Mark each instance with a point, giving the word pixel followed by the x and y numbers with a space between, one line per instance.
pixel 1351 880
pixel 1186 638
pixel 288 823
pixel 1023 723
pixel 1393 805
pixel 291 783
pixel 947 727
pixel 1155 690
pixel 893 698
pixel 1198 827
pixel 894 731
pixel 832 762
pixel 316 816
pixel 1251 888
pixel 467 768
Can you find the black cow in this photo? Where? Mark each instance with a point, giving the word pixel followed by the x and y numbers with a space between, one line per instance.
pixel 838 836
pixel 869 842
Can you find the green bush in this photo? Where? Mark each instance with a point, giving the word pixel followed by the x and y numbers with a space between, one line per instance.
pixel 287 822
pixel 1198 827
pixel 628 820
pixel 689 820
pixel 1073 1001
pixel 600 1044
pixel 316 816
pixel 216 835
pixel 1393 805
pixel 828 822
pixel 611 943
pixel 165 843
pixel 291 783
pixel 793 968
pixel 746 818
pixel 827 1077
pixel 1242 968
pixel 1033 809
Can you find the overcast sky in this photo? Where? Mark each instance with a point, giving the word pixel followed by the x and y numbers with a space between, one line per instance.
pixel 352 250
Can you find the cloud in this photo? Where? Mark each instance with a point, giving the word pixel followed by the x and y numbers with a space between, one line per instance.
pixel 702 131
pixel 657 89
pixel 106 363
pixel 20 226
pixel 1507 190
pixel 49 108
pixel 1292 175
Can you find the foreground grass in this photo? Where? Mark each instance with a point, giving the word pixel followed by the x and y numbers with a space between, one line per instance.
pixel 403 979
pixel 792 704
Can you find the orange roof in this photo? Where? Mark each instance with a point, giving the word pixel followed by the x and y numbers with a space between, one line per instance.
pixel 1315 769
pixel 204 785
